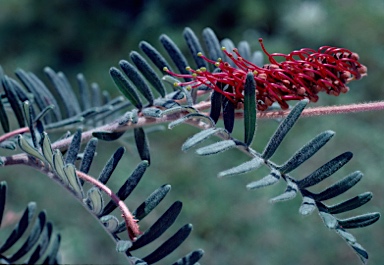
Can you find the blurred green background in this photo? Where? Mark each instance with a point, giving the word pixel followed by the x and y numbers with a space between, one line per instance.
pixel 232 225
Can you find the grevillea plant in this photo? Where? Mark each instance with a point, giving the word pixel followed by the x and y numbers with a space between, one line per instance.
pixel 230 86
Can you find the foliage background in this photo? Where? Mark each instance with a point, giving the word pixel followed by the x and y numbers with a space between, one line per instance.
pixel 232 225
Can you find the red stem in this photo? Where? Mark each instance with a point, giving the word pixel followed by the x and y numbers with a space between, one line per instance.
pixel 13 134
pixel 130 222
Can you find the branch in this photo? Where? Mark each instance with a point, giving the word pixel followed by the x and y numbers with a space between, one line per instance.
pixel 327 110
pixel 12 134
pixel 145 121
pixel 130 222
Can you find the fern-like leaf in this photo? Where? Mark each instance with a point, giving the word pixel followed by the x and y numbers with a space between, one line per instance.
pixel 249 109
pixel 36 231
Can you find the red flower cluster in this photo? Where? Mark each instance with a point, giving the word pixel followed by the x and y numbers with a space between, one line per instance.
pixel 302 74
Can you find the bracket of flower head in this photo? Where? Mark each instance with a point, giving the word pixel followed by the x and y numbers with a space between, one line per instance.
pixel 302 74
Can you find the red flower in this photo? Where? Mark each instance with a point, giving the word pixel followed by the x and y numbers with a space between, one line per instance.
pixel 302 74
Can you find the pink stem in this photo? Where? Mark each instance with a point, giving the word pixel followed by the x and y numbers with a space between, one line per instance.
pixel 309 112
pixel 130 222
pixel 327 110
pixel 13 134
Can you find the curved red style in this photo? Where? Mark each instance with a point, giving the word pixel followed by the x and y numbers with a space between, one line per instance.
pixel 302 74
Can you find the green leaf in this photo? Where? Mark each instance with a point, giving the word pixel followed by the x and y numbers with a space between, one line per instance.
pixel 268 180
pixel 307 206
pixel 151 202
pixel 228 115
pixel 44 112
pixel 107 136
pixel 159 227
pixel 229 46
pixel 191 258
pixel 178 109
pixel 26 147
pixel 108 169
pixel 47 149
pixel 216 102
pixel 128 186
pixel 170 245
pixel 94 200
pixel 148 72
pixel 89 154
pixel 258 58
pixel 41 94
pixel 123 245
pixel 13 100
pixel 283 129
pixel 20 92
pixel 3 118
pixel 40 250
pixel 64 91
pixel 216 148
pixel 65 122
pixel 307 151
pixel 148 205
pixel 10 145
pixel 212 44
pixel 201 136
pixel 329 220
pixel 359 221
pixel 339 187
pixel 190 116
pixel 325 170
pixel 110 222
pixel 248 166
pixel 359 250
pixel 126 118
pixel 137 80
pixel 28 115
pixel 136 261
pixel 3 197
pixel 96 99
pixel 142 144
pixel 351 204
pixel 73 180
pixel 194 47
pixel 289 193
pixel 69 92
pixel 58 163
pixel 32 239
pixel 74 147
pixel 152 112
pixel 20 227
pixel 54 249
pixel 174 52
pixel 84 92
pixel 165 103
pixel 244 50
pixel 125 87
pixel 345 235
pixel 249 109
pixel 154 55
